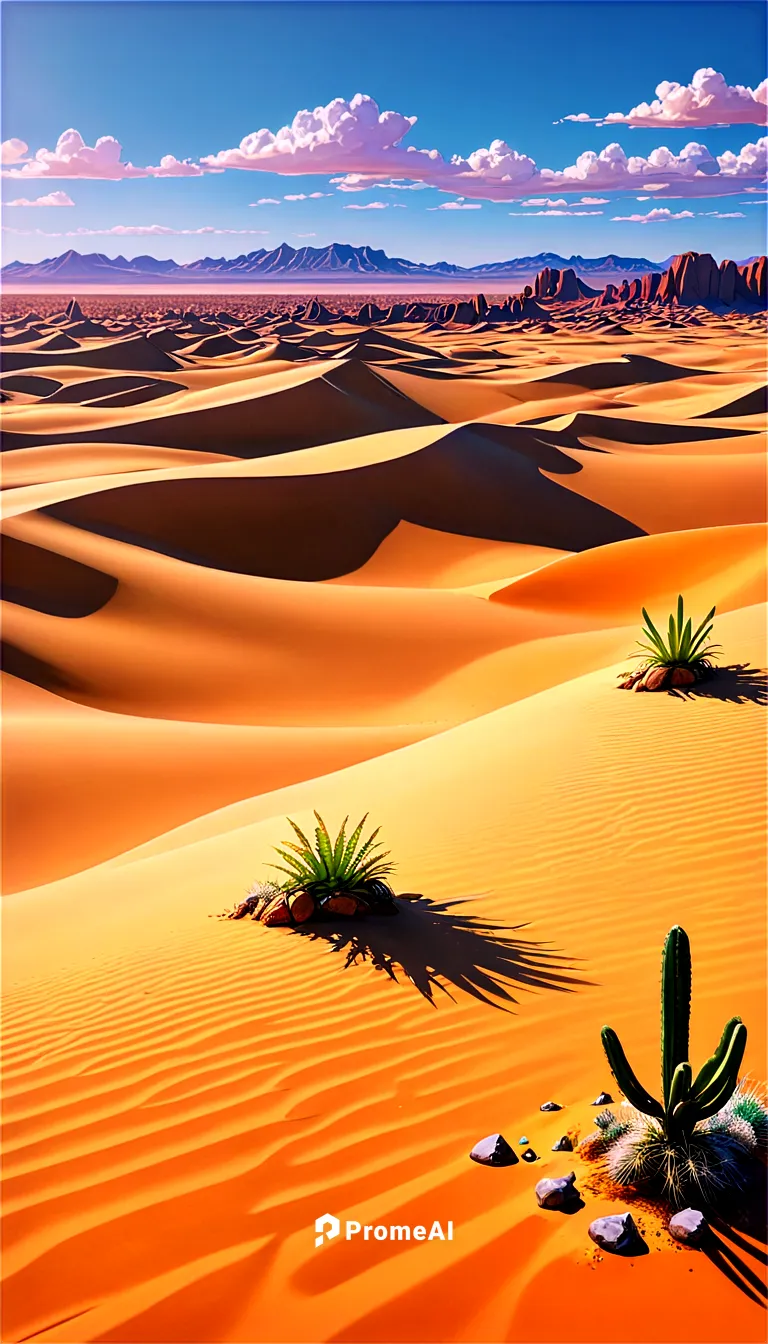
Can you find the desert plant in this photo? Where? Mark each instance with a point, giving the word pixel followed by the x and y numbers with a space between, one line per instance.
pixel 682 647
pixel 686 1102
pixel 330 869
pixel 710 1162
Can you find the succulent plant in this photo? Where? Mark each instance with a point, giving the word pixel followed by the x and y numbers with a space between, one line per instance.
pixel 682 647
pixel 686 1101
pixel 334 868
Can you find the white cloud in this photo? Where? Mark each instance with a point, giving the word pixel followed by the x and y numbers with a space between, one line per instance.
pixel 372 205
pixel 574 116
pixel 558 204
pixel 308 196
pixel 73 158
pixel 14 151
pixel 264 200
pixel 53 198
pixel 656 216
pixel 341 137
pixel 727 214
pixel 518 214
pixel 134 231
pixel 707 101
pixel 458 204
pixel 305 235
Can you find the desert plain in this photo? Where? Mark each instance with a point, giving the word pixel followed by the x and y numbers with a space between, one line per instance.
pixel 265 559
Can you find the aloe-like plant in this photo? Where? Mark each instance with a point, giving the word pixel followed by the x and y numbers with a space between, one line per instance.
pixel 682 647
pixel 686 1101
pixel 331 868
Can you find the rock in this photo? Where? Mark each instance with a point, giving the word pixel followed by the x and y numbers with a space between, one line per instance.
pixel 301 906
pixel 529 1155
pixel 689 1226
pixel 618 1234
pixel 656 678
pixel 522 1141
pixel 346 906
pixel 605 1099
pixel 557 1192
pixel 494 1152
pixel 564 1145
pixel 682 676
pixel 551 1106
pixel 277 912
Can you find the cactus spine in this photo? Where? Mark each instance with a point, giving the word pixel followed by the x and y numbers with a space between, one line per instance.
pixel 686 1101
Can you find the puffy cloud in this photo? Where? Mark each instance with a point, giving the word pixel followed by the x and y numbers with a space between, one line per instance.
pixel 574 116
pixel 14 151
pixel 308 196
pixel 372 205
pixel 585 200
pixel 264 200
pixel 73 158
pixel 707 101
pixel 458 204
pixel 53 198
pixel 655 216
pixel 518 214
pixel 341 137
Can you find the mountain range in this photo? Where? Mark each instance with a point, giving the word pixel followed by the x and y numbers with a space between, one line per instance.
pixel 332 263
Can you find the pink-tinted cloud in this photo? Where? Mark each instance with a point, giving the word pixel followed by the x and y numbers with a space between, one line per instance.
pixel 707 101
pixel 341 137
pixel 458 204
pixel 53 198
pixel 372 205
pixel 14 151
pixel 660 216
pixel 73 158
pixel 518 214
pixel 308 196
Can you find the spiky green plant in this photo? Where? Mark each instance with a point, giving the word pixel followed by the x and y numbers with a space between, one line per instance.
pixel 682 647
pixel 686 1102
pixel 710 1162
pixel 333 867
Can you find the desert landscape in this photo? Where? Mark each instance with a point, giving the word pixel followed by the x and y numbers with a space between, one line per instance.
pixel 384 556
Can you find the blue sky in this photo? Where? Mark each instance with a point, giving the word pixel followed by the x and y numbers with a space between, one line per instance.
pixel 192 79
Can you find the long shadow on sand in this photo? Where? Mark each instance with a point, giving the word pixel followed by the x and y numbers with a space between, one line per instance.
pixel 739 683
pixel 435 947
pixel 728 1247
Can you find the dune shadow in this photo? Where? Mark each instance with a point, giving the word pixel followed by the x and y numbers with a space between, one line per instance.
pixel 739 683
pixel 438 949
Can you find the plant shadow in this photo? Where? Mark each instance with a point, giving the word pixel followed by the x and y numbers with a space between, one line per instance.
pixel 436 948
pixel 731 1240
pixel 739 683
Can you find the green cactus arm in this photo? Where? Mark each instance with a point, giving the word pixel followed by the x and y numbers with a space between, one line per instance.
pixel 675 1005
pixel 622 1072
pixel 707 1071
pixel 723 1084
pixel 674 1121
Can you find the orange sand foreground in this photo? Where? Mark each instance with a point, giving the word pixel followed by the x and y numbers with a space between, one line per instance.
pixel 394 573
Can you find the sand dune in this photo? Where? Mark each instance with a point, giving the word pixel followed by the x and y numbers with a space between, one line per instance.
pixel 257 564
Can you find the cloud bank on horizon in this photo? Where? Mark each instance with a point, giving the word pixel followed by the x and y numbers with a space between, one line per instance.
pixel 363 146
pixel 707 101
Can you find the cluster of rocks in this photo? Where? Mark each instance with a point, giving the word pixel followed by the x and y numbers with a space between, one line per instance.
pixel 657 678
pixel 271 905
pixel 616 1233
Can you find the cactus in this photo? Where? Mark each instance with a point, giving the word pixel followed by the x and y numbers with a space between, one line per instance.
pixel 687 1101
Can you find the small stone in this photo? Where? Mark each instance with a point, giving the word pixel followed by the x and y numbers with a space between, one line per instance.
pixel 605 1099
pixel 494 1152
pixel 551 1106
pixel 557 1192
pixel 563 1145
pixel 682 676
pixel 529 1155
pixel 656 679
pixel 522 1141
pixel 618 1234
pixel 689 1226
